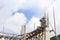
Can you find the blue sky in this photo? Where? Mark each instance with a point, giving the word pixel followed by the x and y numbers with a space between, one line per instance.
pixel 32 12
pixel 14 13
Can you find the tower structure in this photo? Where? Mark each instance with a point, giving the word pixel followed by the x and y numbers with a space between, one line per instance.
pixel 23 29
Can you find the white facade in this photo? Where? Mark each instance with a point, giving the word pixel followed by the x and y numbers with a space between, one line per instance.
pixel 5 36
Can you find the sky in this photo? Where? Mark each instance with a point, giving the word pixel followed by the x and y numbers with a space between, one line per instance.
pixel 15 13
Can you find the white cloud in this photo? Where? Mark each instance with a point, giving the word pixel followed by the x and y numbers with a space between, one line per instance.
pixel 17 18
pixel 32 22
pixel 45 3
pixel 7 7
pixel 15 22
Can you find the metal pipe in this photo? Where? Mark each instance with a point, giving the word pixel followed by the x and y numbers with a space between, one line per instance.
pixel 55 23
